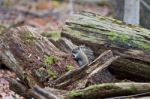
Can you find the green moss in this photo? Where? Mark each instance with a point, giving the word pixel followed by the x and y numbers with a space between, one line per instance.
pixel 142 45
pixel 110 19
pixel 88 92
pixel 48 60
pixel 92 89
pixel 73 94
pixel 69 67
pixel 100 17
pixel 52 73
pixel 2 28
pixel 131 25
pixel 55 35
pixel 28 37
pixel 100 87
pixel 122 38
pixel 74 32
pixel 133 89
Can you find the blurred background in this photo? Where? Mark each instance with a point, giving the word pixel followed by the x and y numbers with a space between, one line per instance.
pixel 48 14
pixel 51 14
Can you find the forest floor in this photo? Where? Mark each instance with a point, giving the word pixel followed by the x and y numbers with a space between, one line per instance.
pixel 33 14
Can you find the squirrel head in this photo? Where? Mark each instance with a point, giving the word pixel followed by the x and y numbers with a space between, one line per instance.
pixel 78 51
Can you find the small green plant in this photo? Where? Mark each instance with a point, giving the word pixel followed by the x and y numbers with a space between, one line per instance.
pixel 2 28
pixel 48 60
pixel 52 73
pixel 69 67
pixel 28 37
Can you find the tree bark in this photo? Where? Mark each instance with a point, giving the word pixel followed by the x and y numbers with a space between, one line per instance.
pixel 109 90
pixel 130 42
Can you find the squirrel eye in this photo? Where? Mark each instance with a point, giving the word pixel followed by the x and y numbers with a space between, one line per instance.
pixel 74 55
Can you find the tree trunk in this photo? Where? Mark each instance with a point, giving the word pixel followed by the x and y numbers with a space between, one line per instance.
pixel 132 12
pixel 130 42
pixel 118 11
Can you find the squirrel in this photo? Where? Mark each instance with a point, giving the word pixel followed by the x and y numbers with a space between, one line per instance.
pixel 83 55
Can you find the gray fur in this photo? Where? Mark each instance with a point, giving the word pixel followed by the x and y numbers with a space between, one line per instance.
pixel 83 55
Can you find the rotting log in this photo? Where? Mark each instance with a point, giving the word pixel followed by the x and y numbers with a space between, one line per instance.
pixel 107 90
pixel 34 59
pixel 130 42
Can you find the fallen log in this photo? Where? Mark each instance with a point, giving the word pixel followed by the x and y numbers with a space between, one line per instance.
pixel 130 42
pixel 34 59
pixel 107 90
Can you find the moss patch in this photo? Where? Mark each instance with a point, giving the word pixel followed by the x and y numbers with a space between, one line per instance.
pixel 142 45
pixel 110 89
pixel 122 38
pixel 93 88
pixel 48 60
pixel 133 89
pixel 52 73
pixel 2 28
pixel 127 41
pixel 73 94
pixel 69 67
pixel 28 37
pixel 55 35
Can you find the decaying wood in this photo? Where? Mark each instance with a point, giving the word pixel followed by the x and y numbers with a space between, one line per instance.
pixel 101 74
pixel 40 93
pixel 130 42
pixel 107 90
pixel 137 96
pixel 35 92
pixel 32 57
pixel 18 87
pixel 64 45
pixel 87 72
